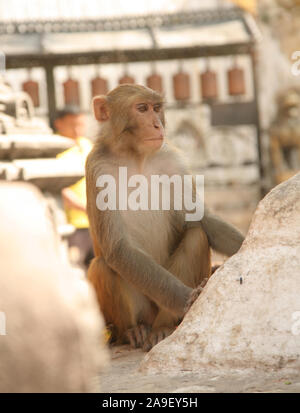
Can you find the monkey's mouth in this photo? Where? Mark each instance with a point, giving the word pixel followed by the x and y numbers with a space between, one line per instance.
pixel 160 138
pixel 154 139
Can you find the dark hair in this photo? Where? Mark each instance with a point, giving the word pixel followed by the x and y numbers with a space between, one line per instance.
pixel 67 110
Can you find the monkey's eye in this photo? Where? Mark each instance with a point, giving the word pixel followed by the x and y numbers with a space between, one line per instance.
pixel 142 107
pixel 157 107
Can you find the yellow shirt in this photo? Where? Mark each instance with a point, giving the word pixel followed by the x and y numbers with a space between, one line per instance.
pixel 78 153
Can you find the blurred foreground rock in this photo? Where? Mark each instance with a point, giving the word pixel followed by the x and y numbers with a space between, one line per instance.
pixel 248 315
pixel 50 327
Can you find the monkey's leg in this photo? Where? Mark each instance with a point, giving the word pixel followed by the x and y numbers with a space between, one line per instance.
pixel 191 263
pixel 129 311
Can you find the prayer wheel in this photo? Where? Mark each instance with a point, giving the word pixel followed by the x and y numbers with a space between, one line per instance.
pixel 236 81
pixel 71 91
pixel 209 85
pixel 126 79
pixel 32 88
pixel 181 86
pixel 99 86
pixel 154 81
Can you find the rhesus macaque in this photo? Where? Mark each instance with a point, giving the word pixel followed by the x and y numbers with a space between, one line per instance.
pixel 147 262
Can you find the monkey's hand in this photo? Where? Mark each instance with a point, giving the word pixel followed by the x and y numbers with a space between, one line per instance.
pixel 195 294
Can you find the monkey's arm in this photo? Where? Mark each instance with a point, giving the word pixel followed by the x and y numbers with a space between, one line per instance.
pixel 222 237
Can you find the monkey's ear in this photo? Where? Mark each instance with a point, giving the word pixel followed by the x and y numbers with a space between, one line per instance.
pixel 100 107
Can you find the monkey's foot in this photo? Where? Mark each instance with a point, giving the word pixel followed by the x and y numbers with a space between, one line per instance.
pixel 136 336
pixel 156 336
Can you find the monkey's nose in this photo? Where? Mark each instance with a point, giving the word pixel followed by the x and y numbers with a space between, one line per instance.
pixel 156 124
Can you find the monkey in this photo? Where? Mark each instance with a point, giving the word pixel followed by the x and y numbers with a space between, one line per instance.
pixel 147 262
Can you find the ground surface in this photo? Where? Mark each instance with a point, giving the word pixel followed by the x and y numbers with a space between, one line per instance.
pixel 123 377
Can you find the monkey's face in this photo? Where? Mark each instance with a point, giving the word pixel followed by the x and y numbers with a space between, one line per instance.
pixel 133 118
pixel 148 128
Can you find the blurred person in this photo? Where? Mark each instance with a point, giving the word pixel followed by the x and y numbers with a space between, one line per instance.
pixel 70 122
